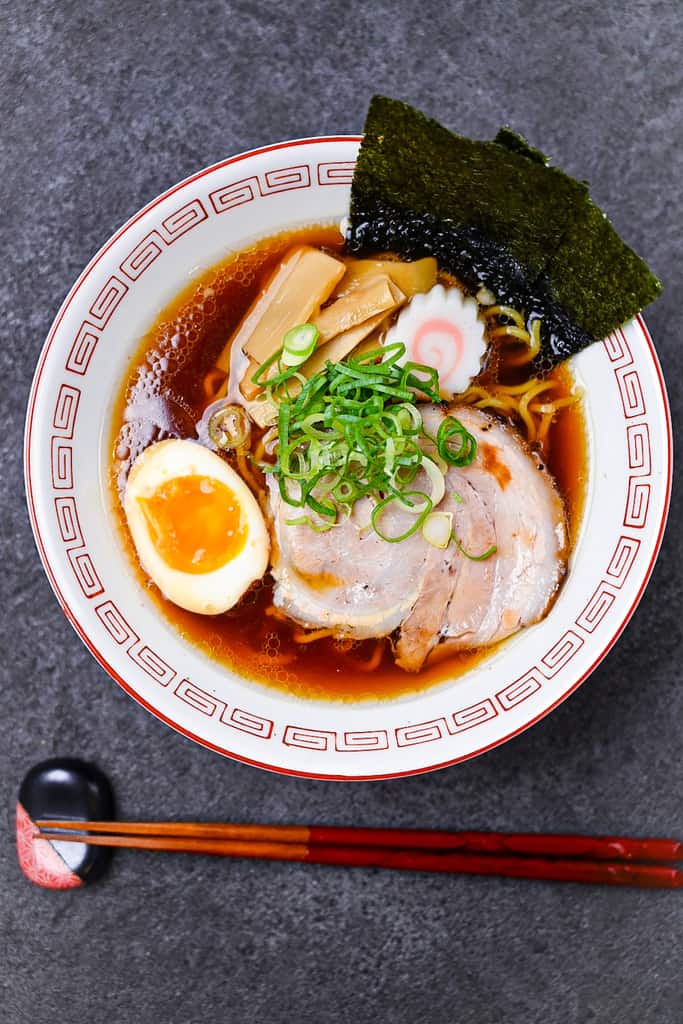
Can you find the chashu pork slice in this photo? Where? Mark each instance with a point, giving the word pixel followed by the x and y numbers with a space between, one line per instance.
pixel 506 499
pixel 447 570
pixel 530 535
pixel 347 579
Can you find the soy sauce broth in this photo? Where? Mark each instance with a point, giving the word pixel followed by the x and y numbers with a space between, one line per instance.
pixel 163 396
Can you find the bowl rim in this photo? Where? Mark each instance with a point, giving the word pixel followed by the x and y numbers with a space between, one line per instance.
pixel 72 617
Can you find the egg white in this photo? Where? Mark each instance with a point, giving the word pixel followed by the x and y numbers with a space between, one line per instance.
pixel 208 593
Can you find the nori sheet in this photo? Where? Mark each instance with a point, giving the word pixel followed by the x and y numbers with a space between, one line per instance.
pixel 518 144
pixel 598 279
pixel 495 213
pixel 412 162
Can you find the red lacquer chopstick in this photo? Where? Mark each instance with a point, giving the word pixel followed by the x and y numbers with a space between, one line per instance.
pixel 388 852
pixel 531 843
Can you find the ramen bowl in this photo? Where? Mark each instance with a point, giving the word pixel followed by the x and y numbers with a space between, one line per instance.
pixel 86 357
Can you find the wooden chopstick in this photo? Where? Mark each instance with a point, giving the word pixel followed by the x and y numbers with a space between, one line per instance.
pixel 655 876
pixel 597 847
pixel 604 860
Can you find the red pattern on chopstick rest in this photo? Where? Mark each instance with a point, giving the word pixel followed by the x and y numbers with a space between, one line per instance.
pixel 38 858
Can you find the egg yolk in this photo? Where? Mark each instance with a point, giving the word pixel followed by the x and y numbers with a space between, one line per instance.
pixel 195 523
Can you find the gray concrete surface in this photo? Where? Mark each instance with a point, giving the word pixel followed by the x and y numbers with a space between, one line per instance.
pixel 103 106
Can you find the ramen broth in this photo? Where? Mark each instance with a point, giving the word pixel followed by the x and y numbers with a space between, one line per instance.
pixel 169 385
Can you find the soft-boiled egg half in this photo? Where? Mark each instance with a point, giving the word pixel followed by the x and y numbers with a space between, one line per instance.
pixel 197 528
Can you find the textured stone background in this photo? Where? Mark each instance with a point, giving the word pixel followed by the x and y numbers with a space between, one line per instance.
pixel 103 106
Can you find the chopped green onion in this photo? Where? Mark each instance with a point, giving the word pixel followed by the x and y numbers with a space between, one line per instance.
pixel 299 343
pixel 475 558
pixel 435 478
pixel 437 529
pixel 414 375
pixel 258 378
pixel 382 505
pixel 310 523
pixel 229 427
pixel 456 446
pixel 353 431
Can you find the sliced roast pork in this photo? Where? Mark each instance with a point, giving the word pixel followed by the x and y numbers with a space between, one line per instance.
pixel 449 572
pixel 422 629
pixel 530 528
pixel 352 581
pixel 347 579
pixel 507 499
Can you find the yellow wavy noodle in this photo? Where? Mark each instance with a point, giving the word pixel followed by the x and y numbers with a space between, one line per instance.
pixel 515 332
pixel 212 384
pixel 301 636
pixel 373 661
pixel 518 400
pixel 510 331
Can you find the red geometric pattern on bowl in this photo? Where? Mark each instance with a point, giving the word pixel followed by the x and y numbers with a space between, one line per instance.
pixel 139 652
pixel 182 220
pixel 66 514
pixel 246 190
pixel 470 717
pixel 597 607
pixel 143 255
pixel 617 348
pixel 61 464
pixel 66 409
pixel 639 449
pixel 83 347
pixel 421 732
pixel 631 392
pixel 523 688
pixel 339 172
pixel 628 379
pixel 211 706
pixel 110 301
pixel 235 194
pixel 561 653
pixel 347 742
pixel 622 560
pixel 284 179
pixel 637 503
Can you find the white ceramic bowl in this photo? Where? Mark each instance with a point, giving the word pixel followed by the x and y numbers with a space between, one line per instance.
pixel 85 357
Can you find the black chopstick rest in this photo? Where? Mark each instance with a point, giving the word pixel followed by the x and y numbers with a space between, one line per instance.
pixel 71 789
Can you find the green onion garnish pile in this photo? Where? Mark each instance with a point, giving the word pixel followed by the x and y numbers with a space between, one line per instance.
pixel 354 430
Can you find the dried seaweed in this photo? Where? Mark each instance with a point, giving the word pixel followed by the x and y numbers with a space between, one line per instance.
pixel 495 213
pixel 516 143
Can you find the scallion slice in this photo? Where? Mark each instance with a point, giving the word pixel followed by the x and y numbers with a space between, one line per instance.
pixel 475 558
pixel 229 427
pixel 298 344
pixel 437 529
pixel 456 445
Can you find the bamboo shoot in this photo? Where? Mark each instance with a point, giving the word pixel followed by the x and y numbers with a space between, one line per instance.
pixel 379 295
pixel 411 278
pixel 304 279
